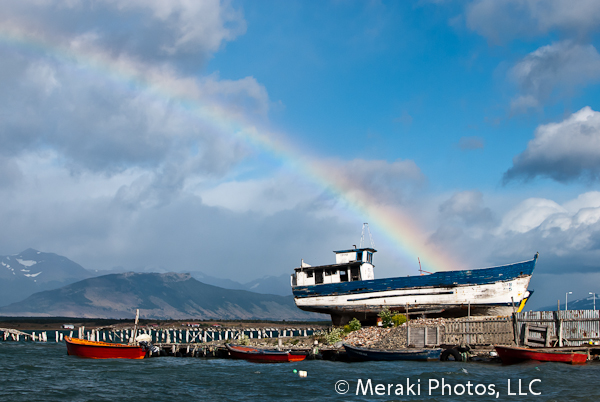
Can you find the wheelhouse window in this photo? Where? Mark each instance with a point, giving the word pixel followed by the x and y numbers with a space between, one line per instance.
pixel 369 257
pixel 309 274
pixel 343 276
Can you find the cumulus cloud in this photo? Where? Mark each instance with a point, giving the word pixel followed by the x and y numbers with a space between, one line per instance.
pixel 503 20
pixel 530 214
pixel 564 151
pixel 564 234
pixel 463 217
pixel 193 25
pixel 153 29
pixel 468 206
pixel 567 236
pixel 555 69
pixel 96 122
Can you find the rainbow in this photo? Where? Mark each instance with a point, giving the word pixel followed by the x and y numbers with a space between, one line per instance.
pixel 403 232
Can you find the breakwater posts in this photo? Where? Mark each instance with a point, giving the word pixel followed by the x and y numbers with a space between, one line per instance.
pixel 157 335
pixel 220 352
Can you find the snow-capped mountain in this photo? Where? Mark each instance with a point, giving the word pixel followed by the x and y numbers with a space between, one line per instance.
pixel 31 271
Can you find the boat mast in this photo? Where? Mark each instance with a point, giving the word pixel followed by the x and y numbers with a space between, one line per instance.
pixel 362 236
pixel 137 318
pixel 420 269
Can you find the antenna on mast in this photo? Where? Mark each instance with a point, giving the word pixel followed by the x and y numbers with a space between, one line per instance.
pixel 362 236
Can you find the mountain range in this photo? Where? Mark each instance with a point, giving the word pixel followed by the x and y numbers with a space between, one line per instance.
pixel 158 296
pixel 31 271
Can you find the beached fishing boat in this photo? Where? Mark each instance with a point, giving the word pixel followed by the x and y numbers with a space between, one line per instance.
pixel 349 289
pixel 104 350
pixel 264 355
pixel 511 355
pixel 365 354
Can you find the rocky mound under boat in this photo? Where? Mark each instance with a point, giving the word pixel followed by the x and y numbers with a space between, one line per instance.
pixel 348 289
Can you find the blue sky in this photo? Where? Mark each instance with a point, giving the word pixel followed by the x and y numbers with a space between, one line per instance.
pixel 479 119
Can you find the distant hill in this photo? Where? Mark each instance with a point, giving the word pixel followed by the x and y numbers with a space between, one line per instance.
pixel 587 303
pixel 158 296
pixel 272 285
pixel 277 285
pixel 31 271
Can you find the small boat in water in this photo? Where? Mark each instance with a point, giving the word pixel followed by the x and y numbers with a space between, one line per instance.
pixel 364 354
pixel 104 350
pixel 511 355
pixel 264 355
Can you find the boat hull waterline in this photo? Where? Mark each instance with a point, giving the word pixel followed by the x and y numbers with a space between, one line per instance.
pixel 103 350
pixel 512 355
pixel 264 355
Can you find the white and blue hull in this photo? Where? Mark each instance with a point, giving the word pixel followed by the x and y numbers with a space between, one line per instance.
pixel 489 291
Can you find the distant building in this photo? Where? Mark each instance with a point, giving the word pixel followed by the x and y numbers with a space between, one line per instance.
pixel 68 326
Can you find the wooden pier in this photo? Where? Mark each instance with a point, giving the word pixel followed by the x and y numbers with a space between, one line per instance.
pixel 161 336
pixel 568 330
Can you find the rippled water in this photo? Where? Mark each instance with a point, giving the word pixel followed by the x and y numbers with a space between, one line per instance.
pixel 43 372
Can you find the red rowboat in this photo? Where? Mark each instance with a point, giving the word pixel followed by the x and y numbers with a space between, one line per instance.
pixel 103 350
pixel 510 355
pixel 264 355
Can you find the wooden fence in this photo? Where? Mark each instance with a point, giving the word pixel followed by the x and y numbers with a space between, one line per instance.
pixel 557 328
pixel 479 331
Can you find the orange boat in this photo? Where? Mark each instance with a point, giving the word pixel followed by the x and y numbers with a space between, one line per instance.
pixel 264 355
pixel 103 350
pixel 510 355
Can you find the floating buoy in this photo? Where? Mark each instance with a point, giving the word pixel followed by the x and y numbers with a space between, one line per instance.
pixel 295 371
pixel 302 373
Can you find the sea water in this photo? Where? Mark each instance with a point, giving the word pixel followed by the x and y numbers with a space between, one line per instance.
pixel 44 372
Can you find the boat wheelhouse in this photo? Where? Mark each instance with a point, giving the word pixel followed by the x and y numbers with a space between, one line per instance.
pixel 350 266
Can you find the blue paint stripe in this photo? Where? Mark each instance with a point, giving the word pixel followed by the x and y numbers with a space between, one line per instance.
pixel 438 279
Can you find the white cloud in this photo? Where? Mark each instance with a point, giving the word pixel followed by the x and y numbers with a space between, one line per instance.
pixel 586 200
pixel 528 215
pixel 265 196
pixel 103 125
pixel 502 20
pixel 563 151
pixel 203 25
pixel 553 70
pixel 148 29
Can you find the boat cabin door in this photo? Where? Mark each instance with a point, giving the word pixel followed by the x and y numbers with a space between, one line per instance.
pixel 318 276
